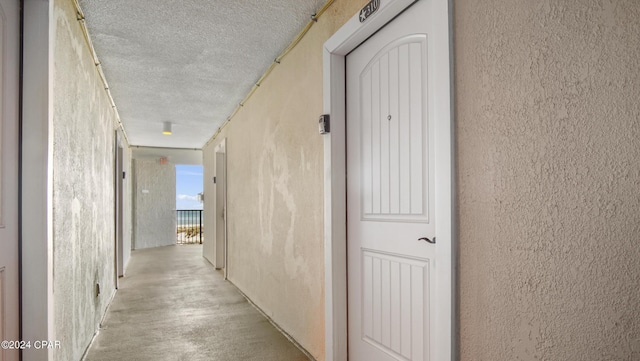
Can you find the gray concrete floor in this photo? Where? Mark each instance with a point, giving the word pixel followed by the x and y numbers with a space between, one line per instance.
pixel 173 305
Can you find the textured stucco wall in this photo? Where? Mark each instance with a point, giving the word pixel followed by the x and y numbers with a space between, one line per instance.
pixel 154 212
pixel 548 142
pixel 83 134
pixel 275 189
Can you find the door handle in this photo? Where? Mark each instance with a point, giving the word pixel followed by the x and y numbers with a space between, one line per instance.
pixel 428 240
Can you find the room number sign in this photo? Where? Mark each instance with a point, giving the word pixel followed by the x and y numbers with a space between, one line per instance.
pixel 369 10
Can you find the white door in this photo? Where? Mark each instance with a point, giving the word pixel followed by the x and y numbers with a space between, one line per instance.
pixel 9 70
pixel 391 193
pixel 221 209
pixel 119 221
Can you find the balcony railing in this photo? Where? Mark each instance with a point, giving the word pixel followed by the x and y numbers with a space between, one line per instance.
pixel 189 226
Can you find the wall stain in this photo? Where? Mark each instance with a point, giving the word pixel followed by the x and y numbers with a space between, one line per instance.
pixel 274 182
pixel 83 228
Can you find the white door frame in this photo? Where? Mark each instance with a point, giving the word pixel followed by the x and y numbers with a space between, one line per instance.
pixel 347 38
pixel 10 317
pixel 37 176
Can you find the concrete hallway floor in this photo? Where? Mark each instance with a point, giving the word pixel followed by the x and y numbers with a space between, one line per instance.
pixel 173 305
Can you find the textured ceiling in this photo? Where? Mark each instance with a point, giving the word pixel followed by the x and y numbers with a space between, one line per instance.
pixel 188 62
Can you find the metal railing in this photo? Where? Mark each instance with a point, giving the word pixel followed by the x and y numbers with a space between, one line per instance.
pixel 189 226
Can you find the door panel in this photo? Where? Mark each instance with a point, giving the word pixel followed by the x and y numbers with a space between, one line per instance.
pixel 391 193
pixel 9 272
pixel 395 294
pixel 393 133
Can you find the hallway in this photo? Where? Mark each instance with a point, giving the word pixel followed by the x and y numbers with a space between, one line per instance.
pixel 173 305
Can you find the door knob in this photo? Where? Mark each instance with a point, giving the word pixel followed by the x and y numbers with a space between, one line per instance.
pixel 428 240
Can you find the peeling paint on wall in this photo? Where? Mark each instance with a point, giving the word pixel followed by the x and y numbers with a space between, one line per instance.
pixel 83 132
pixel 275 189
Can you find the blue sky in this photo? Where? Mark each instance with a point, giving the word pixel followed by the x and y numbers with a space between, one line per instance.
pixel 188 185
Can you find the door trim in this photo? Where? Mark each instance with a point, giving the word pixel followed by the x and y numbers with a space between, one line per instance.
pixel 347 38
pixel 37 176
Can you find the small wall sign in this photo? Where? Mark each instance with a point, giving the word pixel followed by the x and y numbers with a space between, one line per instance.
pixel 369 10
pixel 324 124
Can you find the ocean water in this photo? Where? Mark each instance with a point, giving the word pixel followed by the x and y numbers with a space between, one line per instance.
pixel 188 217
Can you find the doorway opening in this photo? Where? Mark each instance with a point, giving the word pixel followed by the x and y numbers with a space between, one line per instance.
pixel 440 329
pixel 189 200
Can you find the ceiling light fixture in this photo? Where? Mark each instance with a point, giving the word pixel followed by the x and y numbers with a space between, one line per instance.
pixel 166 128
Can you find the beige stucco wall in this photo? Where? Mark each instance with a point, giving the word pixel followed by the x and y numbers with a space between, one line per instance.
pixel 275 189
pixel 548 143
pixel 83 134
pixel 154 212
